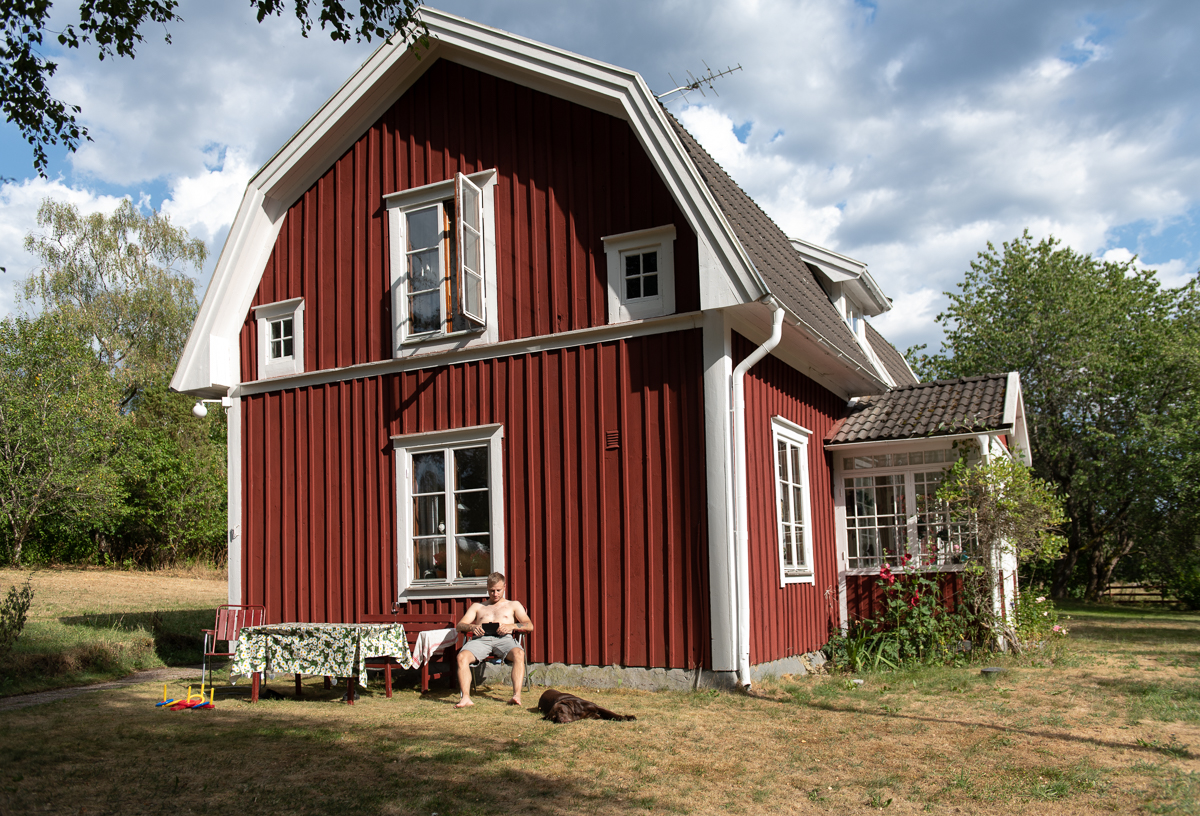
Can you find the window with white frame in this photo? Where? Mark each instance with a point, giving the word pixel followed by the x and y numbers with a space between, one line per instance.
pixel 443 259
pixel 792 504
pixel 891 511
pixel 641 274
pixel 450 519
pixel 280 338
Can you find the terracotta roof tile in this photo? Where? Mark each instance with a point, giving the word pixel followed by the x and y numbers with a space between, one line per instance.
pixel 939 408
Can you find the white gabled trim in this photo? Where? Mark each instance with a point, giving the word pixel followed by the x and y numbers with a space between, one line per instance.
pixel 470 354
pixel 1014 417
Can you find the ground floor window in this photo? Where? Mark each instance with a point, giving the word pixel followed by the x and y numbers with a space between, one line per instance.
pixel 792 503
pixel 891 511
pixel 450 514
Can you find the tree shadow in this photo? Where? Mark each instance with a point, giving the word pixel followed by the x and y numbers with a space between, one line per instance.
pixel 116 753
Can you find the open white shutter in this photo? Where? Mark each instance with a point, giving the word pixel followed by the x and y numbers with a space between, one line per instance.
pixel 469 203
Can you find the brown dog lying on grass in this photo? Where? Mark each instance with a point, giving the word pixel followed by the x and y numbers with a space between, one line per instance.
pixel 560 707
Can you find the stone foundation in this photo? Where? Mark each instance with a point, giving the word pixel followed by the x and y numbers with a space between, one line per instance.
pixel 560 674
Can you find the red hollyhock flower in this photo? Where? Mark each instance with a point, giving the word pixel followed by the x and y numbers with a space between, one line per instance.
pixel 885 572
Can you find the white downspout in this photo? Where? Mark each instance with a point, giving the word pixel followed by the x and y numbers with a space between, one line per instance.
pixel 741 532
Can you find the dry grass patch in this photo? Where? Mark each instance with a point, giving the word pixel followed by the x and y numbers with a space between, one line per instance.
pixel 92 625
pixel 1108 725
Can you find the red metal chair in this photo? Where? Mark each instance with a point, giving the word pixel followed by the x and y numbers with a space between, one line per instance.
pixel 440 664
pixel 230 620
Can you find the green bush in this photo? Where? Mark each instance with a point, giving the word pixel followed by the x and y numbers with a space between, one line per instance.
pixel 13 613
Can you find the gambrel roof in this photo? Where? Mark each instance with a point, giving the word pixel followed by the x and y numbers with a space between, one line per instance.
pixel 746 257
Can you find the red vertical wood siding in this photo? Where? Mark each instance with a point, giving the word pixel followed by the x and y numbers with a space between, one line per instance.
pixel 864 595
pixel 607 547
pixel 796 618
pixel 567 177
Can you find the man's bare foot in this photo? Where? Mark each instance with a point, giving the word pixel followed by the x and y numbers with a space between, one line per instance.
pixel 463 703
pixel 516 700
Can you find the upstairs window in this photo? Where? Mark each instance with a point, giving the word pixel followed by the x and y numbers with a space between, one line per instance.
pixel 443 262
pixel 641 274
pixel 280 338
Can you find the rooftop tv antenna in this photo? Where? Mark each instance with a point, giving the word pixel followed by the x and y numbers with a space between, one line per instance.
pixel 695 83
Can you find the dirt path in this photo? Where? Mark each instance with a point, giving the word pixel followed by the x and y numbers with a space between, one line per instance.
pixel 151 675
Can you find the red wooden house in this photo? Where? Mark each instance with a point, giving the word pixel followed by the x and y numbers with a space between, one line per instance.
pixel 494 309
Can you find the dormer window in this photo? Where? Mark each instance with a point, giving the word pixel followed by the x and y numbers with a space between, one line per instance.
pixel 641 274
pixel 443 259
pixel 280 338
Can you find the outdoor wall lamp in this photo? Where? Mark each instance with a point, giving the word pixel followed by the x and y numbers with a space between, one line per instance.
pixel 201 411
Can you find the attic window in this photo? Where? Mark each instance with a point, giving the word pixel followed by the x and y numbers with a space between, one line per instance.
pixel 443 262
pixel 280 338
pixel 641 274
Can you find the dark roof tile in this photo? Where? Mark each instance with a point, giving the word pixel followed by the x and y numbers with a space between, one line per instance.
pixel 785 272
pixel 939 408
pixel 892 359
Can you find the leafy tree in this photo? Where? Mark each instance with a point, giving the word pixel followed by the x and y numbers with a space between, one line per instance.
pixel 173 469
pixel 115 28
pixel 1110 368
pixel 1011 513
pixel 58 428
pixel 119 280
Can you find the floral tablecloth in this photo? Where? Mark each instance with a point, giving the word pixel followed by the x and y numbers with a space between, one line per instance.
pixel 333 649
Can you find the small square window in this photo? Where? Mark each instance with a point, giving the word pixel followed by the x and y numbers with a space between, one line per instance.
pixel 280 338
pixel 641 274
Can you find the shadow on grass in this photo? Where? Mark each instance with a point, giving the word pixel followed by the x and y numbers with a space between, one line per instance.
pixel 115 753
pixel 176 633
pixel 1104 633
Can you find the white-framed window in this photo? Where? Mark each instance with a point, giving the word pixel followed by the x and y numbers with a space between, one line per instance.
pixel 641 274
pixel 793 515
pixel 280 338
pixel 443 263
pixel 891 511
pixel 450 511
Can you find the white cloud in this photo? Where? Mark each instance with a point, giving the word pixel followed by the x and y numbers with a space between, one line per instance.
pixel 206 203
pixel 1173 273
pixel 905 135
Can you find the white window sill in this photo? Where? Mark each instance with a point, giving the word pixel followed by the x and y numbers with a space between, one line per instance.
pixel 799 578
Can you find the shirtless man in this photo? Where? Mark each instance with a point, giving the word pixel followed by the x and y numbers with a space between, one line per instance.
pixel 509 617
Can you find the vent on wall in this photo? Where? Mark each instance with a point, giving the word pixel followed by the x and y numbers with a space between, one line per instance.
pixel 612 440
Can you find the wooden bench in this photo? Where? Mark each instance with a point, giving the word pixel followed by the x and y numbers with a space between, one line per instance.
pixel 440 663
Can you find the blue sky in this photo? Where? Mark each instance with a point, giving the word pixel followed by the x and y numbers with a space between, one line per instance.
pixel 906 135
